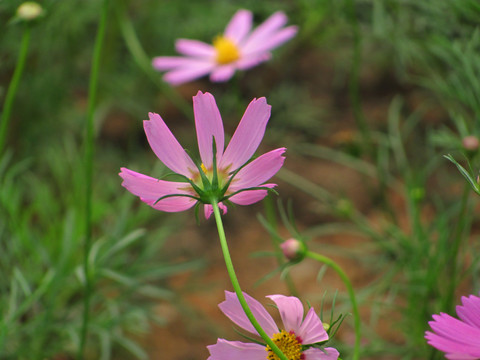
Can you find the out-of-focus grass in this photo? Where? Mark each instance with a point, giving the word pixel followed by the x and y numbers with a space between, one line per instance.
pixel 41 257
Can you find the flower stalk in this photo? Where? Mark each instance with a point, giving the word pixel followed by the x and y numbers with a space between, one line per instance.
pixel 12 88
pixel 88 159
pixel 236 284
pixel 356 315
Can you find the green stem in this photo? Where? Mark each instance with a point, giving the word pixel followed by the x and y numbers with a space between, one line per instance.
pixel 89 157
pixel 351 293
pixel 236 284
pixel 12 88
pixel 272 220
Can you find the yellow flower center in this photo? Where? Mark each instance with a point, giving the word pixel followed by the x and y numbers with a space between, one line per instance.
pixel 289 344
pixel 226 49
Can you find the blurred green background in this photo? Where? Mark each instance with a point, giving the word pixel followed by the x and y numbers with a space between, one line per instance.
pixel 381 87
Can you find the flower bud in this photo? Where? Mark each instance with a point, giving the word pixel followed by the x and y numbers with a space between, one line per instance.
pixel 293 249
pixel 29 11
pixel 470 143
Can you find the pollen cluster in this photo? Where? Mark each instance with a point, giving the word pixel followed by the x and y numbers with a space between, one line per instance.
pixel 289 344
pixel 226 49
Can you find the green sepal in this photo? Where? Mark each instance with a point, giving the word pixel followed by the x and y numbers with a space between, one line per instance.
pixel 203 176
pixel 197 218
pixel 214 164
pixel 248 189
pixel 172 195
pixel 189 181
pixel 473 183
pixel 232 175
pixel 249 338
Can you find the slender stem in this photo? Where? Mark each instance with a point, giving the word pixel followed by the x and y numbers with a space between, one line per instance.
pixel 89 157
pixel 272 220
pixel 236 284
pixel 351 293
pixel 12 88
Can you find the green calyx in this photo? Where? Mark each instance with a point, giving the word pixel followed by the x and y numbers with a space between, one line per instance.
pixel 211 189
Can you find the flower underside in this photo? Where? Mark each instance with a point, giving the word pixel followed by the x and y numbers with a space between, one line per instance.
pixel 290 345
pixel 221 174
pixel 212 184
pixel 226 50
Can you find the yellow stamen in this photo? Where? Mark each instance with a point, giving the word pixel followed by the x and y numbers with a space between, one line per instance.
pixel 288 343
pixel 227 51
pixel 204 169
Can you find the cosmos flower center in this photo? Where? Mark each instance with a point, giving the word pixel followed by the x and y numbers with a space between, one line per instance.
pixel 226 49
pixel 290 345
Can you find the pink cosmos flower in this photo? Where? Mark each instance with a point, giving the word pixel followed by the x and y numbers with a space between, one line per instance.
pixel 459 339
pixel 222 175
pixel 238 48
pixel 294 339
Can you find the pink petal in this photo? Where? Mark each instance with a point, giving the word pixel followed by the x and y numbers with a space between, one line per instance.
pixel 259 170
pixel 317 354
pixel 233 310
pixel 453 348
pixel 250 196
pixel 291 312
pixel 208 209
pixel 208 123
pixel 163 63
pixel 150 190
pixel 273 41
pixel 194 48
pixel 265 30
pixel 166 147
pixel 470 311
pixel 460 357
pixel 185 74
pixel 249 61
pixel 239 26
pixel 454 329
pixel 236 350
pixel 222 73
pixel 248 135
pixel 312 331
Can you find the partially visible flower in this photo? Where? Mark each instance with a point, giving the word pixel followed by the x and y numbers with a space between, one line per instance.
pixel 238 48
pixel 29 10
pixel 222 175
pixel 295 339
pixel 458 339
pixel 293 249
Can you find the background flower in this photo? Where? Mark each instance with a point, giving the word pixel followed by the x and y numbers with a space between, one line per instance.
pixel 459 339
pixel 238 48
pixel 297 332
